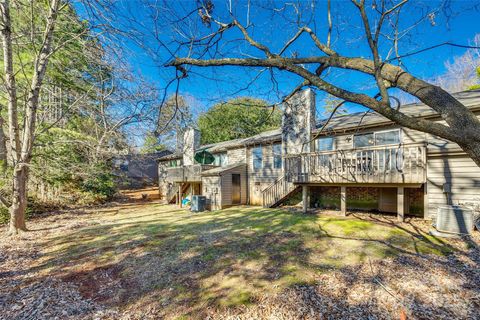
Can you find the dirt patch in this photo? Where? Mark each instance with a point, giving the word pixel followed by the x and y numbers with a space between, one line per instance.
pixel 138 195
pixel 100 284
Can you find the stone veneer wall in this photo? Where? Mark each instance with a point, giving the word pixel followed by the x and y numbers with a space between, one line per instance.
pixel 191 142
pixel 298 122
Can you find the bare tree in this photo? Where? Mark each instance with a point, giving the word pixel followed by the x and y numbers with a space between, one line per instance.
pixel 461 72
pixel 461 125
pixel 21 143
pixel 40 29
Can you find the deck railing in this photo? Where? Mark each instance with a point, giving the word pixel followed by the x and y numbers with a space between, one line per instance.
pixel 404 163
pixel 190 173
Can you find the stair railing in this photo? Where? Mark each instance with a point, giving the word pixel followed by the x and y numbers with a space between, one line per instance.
pixel 277 191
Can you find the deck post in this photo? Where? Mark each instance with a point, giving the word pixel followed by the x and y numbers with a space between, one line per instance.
pixel 343 200
pixel 426 214
pixel 179 195
pixel 305 198
pixel 400 204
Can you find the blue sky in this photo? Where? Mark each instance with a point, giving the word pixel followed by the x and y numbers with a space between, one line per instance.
pixel 273 23
pixel 457 23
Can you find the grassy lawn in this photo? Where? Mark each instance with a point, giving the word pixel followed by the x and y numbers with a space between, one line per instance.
pixel 182 262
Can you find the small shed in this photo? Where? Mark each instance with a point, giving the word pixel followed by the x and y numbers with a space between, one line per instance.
pixel 225 186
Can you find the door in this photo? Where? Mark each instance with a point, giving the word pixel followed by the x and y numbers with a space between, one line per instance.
pixel 236 184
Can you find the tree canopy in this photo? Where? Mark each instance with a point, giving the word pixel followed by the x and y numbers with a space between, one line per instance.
pixel 237 118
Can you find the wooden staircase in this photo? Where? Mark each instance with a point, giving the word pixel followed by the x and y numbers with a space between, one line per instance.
pixel 277 192
pixel 173 192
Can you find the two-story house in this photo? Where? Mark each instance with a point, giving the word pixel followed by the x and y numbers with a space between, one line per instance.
pixel 357 161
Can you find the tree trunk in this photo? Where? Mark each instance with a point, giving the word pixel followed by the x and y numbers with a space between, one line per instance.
pixel 3 146
pixel 19 200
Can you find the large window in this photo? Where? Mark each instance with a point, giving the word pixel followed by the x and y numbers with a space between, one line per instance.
pixel 257 158
pixel 363 140
pixel 277 155
pixel 325 144
pixel 387 137
pixel 376 138
pixel 220 159
pixel 388 159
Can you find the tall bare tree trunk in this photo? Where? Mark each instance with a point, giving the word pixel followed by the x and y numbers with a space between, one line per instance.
pixel 19 200
pixel 3 144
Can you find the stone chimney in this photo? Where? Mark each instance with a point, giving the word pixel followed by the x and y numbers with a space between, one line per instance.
pixel 298 122
pixel 191 143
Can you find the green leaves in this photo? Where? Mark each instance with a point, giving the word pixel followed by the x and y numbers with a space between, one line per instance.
pixel 237 118
pixel 476 86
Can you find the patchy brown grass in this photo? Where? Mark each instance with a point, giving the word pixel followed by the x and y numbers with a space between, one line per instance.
pixel 151 260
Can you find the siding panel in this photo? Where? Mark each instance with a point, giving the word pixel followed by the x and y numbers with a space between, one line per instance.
pixel 463 182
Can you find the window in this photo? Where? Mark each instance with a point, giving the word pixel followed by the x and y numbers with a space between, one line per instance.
pixel 220 159
pixel 257 158
pixel 388 159
pixel 325 144
pixel 376 138
pixel 175 163
pixel 277 155
pixel 387 137
pixel 363 140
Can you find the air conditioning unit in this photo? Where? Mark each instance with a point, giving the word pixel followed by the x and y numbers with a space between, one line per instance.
pixel 454 220
pixel 198 203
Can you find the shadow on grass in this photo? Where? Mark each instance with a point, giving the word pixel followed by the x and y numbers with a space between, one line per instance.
pixel 183 262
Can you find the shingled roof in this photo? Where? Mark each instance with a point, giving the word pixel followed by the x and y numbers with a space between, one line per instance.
pixel 343 123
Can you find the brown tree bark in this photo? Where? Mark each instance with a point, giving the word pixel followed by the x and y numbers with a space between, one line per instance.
pixel 19 201
pixel 3 144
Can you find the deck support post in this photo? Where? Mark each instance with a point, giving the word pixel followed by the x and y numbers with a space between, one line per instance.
pixel 305 198
pixel 343 200
pixel 179 195
pixel 400 204
pixel 426 214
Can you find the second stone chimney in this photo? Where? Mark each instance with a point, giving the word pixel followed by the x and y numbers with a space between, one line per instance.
pixel 298 122
pixel 191 143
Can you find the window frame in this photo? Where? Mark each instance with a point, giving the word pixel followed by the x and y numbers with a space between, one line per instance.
pixel 400 138
pixel 317 143
pixel 255 157
pixel 389 130
pixel 277 155
pixel 221 159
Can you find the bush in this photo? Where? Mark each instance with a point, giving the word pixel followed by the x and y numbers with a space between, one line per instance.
pixel 102 184
pixel 4 215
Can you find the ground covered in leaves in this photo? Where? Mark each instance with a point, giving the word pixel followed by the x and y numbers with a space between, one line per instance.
pixel 151 261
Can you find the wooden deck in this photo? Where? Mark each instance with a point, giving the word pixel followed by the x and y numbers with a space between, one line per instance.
pixel 399 164
pixel 188 173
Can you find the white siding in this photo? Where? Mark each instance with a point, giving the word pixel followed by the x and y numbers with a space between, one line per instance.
pixel 259 179
pixel 227 186
pixel 462 177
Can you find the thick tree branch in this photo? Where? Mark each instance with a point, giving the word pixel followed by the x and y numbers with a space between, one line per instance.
pixel 363 99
